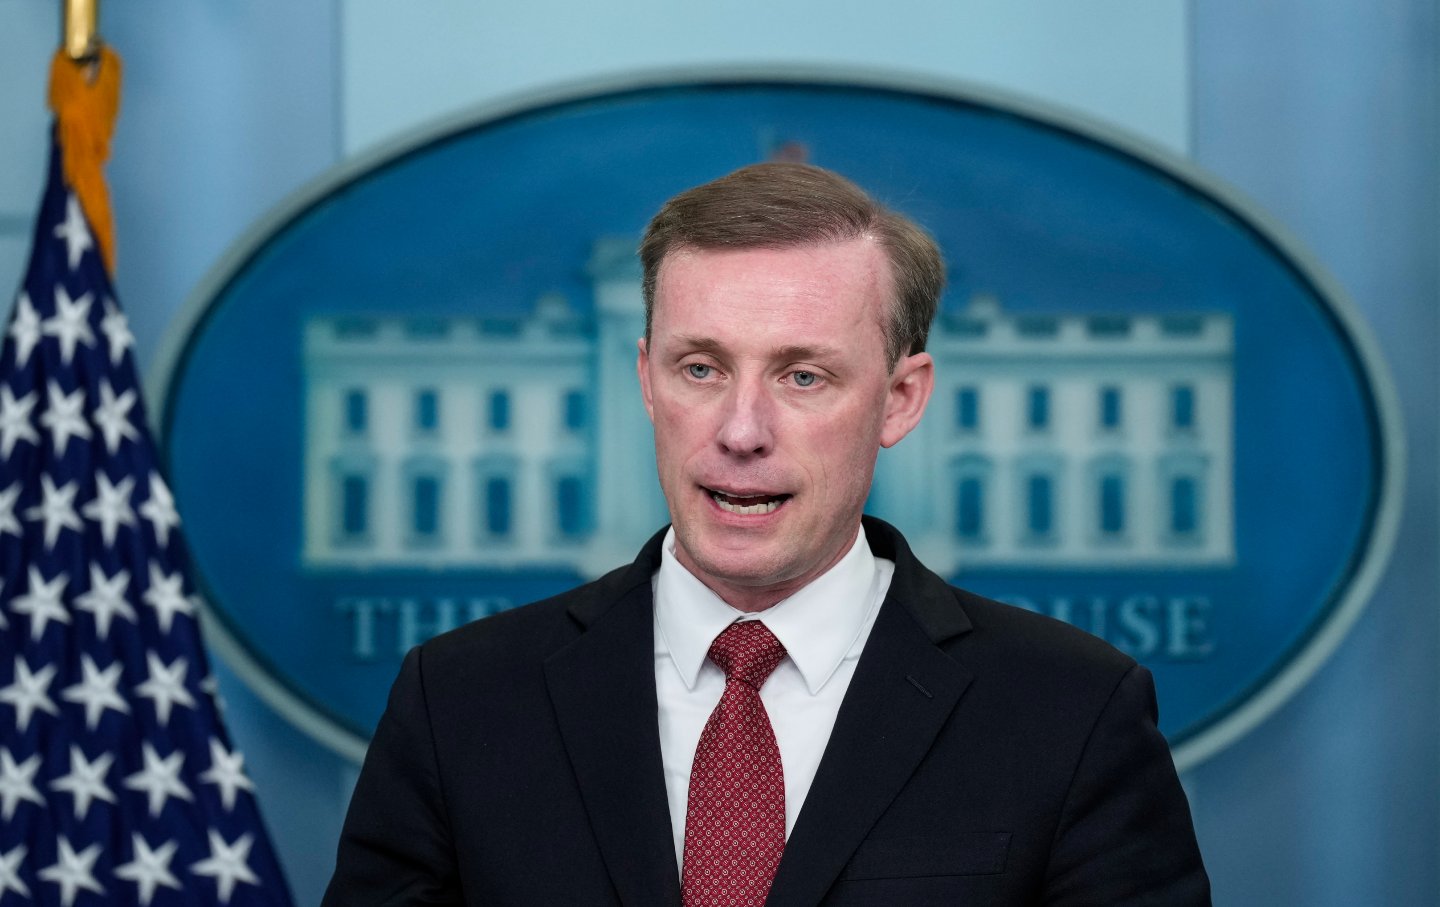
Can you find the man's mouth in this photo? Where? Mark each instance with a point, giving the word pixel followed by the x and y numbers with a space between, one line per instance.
pixel 747 505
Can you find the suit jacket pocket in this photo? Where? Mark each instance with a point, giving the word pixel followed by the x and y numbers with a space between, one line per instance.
pixel 963 853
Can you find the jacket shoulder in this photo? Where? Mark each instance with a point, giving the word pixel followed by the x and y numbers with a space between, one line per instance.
pixel 1015 625
pixel 1037 650
pixel 1026 649
pixel 527 634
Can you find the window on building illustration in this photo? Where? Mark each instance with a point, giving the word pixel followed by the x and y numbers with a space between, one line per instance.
pixel 350 500
pixel 574 410
pixel 1039 505
pixel 1110 412
pixel 1037 326
pixel 1184 510
pixel 1037 408
pixel 971 477
pixel 427 328
pixel 967 408
pixel 1182 407
pixel 961 326
pixel 1182 325
pixel 1182 498
pixel 357 411
pixel 497 505
pixel 427 410
pixel 1112 505
pixel 355 328
pixel 354 507
pixel 499 415
pixel 970 508
pixel 425 507
pixel 1108 326
pixel 570 505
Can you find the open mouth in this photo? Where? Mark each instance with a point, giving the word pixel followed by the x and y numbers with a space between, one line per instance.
pixel 752 505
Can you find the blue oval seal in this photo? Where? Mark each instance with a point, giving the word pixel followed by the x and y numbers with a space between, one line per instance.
pixel 408 399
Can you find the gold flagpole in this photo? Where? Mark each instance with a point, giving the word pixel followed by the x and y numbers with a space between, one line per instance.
pixel 82 37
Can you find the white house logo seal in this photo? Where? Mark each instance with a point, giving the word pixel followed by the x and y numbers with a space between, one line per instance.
pixel 409 399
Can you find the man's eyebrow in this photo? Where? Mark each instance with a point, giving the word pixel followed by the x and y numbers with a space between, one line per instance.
pixel 802 351
pixel 696 343
pixel 684 344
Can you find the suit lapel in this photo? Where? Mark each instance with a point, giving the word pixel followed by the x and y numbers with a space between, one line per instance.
pixel 903 691
pixel 603 688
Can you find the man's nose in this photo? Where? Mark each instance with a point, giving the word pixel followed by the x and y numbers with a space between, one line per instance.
pixel 746 427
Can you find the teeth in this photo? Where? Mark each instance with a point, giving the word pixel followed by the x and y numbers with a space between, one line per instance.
pixel 746 509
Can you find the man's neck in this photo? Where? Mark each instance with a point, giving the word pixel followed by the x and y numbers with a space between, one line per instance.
pixel 754 599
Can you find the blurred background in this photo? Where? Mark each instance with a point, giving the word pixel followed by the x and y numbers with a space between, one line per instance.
pixel 1323 113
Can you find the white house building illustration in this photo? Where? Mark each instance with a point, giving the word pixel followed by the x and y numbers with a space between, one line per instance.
pixel 1059 441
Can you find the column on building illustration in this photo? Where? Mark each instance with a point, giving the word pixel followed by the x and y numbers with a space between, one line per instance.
pixel 629 504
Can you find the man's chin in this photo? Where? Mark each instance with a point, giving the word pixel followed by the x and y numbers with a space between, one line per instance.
pixel 747 567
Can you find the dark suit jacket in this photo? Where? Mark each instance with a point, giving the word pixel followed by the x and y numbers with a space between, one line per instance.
pixel 983 755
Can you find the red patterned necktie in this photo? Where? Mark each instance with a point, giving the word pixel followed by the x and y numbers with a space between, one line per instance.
pixel 735 818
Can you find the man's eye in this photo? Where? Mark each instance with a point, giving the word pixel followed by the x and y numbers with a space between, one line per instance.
pixel 805 379
pixel 698 370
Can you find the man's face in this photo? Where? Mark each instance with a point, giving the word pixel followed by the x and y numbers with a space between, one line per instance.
pixel 765 379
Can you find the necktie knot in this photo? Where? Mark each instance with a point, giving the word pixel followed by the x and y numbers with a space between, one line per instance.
pixel 747 651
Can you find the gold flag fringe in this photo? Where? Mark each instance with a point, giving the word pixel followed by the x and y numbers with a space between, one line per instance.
pixel 86 103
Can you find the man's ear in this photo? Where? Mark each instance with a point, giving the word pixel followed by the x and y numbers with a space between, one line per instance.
pixel 642 368
pixel 911 384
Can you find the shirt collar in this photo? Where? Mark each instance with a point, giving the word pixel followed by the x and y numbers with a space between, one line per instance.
pixel 818 625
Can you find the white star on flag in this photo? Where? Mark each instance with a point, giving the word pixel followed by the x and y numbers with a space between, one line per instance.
pixel 86 780
pixel 160 778
pixel 166 597
pixel 73 871
pixel 98 691
pixel 160 509
pixel 70 324
pixel 8 523
pixel 17 782
pixel 15 422
pixel 106 599
pixel 24 329
pixel 29 691
pixel 150 868
pixel 112 416
pixel 166 685
pixel 42 602
pixel 116 328
pixel 56 509
pixel 227 864
pixel 64 416
pixel 226 771
pixel 111 506
pixel 74 231
pixel 10 872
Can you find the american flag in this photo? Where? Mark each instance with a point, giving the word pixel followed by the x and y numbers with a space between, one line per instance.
pixel 118 784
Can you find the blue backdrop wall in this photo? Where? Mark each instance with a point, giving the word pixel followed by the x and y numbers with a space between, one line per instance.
pixel 1325 113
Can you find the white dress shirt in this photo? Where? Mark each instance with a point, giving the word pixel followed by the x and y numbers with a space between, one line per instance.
pixel 823 628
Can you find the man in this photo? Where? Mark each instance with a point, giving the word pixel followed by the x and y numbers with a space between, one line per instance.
pixel 877 737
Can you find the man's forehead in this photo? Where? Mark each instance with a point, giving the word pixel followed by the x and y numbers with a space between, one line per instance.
pixel 858 264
